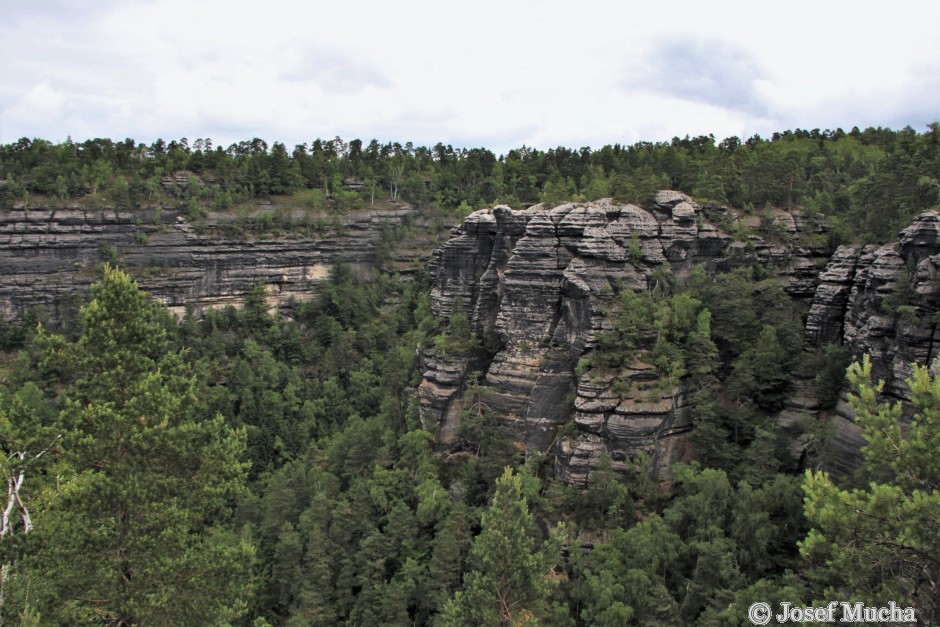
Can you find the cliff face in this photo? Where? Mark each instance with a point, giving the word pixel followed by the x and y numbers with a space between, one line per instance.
pixel 539 281
pixel 535 285
pixel 884 302
pixel 47 257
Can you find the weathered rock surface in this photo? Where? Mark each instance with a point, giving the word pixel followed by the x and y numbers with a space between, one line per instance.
pixel 884 302
pixel 47 257
pixel 539 281
pixel 824 324
pixel 624 414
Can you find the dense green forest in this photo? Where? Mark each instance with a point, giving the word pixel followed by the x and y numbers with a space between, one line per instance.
pixel 246 469
pixel 869 183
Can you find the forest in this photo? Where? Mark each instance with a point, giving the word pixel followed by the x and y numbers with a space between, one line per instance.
pixel 868 183
pixel 248 469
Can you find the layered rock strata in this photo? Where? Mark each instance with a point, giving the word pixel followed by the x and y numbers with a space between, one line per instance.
pixel 48 257
pixel 883 302
pixel 537 282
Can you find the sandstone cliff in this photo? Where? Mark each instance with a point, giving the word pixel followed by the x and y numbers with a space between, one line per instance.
pixel 47 257
pixel 536 283
pixel 884 302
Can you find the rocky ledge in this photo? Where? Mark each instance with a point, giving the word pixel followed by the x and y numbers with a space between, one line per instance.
pixel 883 302
pixel 48 257
pixel 536 282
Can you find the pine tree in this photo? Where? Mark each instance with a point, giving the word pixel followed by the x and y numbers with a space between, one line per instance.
pixel 448 555
pixel 508 584
pixel 624 580
pixel 761 372
pixel 882 543
pixel 137 532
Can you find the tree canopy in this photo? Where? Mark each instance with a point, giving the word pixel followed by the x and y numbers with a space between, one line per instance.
pixel 880 543
pixel 869 183
pixel 250 469
pixel 136 530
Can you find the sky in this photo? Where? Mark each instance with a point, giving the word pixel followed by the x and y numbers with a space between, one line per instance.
pixel 497 74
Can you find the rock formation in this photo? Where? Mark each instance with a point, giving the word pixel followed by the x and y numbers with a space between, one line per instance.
pixel 884 302
pixel 535 285
pixel 536 282
pixel 47 257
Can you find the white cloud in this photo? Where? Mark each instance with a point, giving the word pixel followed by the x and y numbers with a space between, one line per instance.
pixel 43 100
pixel 497 74
pixel 706 71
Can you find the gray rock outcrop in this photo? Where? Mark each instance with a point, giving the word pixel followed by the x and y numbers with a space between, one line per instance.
pixel 48 257
pixel 883 302
pixel 537 283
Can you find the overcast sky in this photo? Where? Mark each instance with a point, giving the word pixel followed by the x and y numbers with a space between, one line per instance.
pixel 491 73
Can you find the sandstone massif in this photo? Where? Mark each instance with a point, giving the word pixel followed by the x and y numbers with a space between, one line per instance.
pixel 48 256
pixel 882 301
pixel 536 283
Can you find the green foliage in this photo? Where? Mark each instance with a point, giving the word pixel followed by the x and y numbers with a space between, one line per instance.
pixel 639 184
pixel 770 228
pixel 348 531
pixel 10 192
pixel 675 332
pixel 594 184
pixel 457 337
pixel 865 183
pixel 194 210
pixel 636 249
pixel 108 253
pixel 632 316
pixel 708 551
pixel 757 325
pixel 352 516
pixel 741 232
pixel 901 294
pixel 121 192
pixel 710 186
pixel 880 543
pixel 557 190
pixel 138 529
pixel 30 437
pixel 606 502
pixel 729 340
pixel 761 372
pixel 487 436
pixel 507 583
pixel 348 201
pixel 830 367
pixel 626 579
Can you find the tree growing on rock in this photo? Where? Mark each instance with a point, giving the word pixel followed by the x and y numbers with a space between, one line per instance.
pixel 509 583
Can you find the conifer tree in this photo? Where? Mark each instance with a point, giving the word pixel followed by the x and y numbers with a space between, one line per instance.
pixel 508 584
pixel 137 533
pixel 881 544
